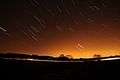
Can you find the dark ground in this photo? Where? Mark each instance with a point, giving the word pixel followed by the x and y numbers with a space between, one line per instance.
pixel 89 70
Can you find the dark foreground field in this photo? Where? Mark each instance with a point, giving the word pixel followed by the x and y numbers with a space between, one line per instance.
pixel 38 70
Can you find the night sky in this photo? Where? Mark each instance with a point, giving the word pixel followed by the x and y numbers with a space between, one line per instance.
pixel 81 28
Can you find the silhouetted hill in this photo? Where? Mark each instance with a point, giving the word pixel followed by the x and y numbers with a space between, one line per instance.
pixel 60 58
pixel 23 56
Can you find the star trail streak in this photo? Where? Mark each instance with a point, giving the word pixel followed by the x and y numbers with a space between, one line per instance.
pixel 4 30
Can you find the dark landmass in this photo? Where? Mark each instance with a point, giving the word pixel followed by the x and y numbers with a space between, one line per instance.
pixel 20 56
pixel 22 66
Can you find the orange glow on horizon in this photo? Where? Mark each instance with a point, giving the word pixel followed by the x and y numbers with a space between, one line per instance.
pixel 86 54
pixel 77 49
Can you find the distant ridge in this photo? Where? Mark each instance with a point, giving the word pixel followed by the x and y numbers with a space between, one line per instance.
pixel 60 58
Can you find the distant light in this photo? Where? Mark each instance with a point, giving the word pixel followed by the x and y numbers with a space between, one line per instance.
pixel 30 59
pixel 110 59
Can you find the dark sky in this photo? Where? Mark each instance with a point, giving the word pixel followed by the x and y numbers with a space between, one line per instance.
pixel 80 28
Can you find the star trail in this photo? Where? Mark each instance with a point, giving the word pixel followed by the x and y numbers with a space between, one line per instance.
pixel 80 28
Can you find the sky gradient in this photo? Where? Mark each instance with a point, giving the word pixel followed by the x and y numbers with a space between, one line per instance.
pixel 80 28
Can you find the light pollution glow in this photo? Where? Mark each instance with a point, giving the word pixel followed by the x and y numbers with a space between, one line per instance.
pixel 68 47
pixel 80 28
